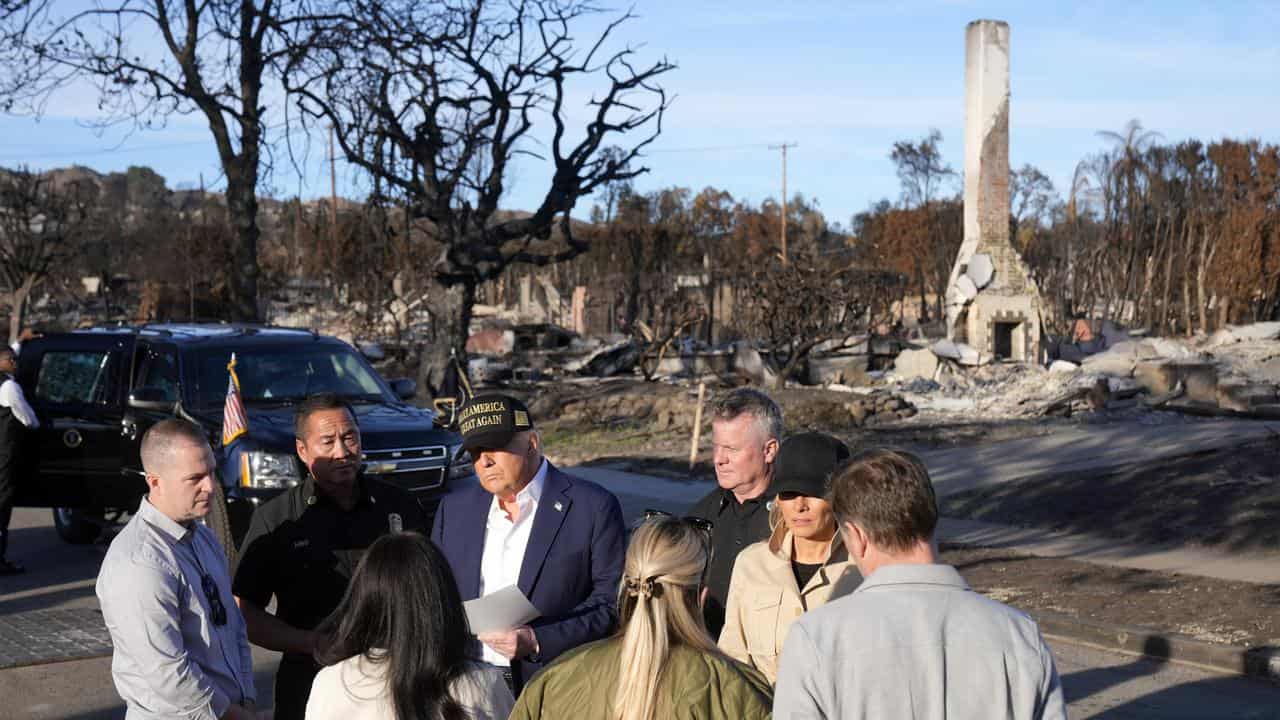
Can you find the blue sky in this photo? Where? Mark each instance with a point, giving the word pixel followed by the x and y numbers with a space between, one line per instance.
pixel 844 80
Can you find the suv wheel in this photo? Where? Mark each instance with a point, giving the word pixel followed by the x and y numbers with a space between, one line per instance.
pixel 78 526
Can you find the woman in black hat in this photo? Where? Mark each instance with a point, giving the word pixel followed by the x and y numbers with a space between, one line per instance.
pixel 801 566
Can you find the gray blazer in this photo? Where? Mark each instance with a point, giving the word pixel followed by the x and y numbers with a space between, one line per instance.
pixel 913 641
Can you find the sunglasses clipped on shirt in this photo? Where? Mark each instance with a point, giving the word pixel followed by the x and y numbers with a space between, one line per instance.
pixel 217 611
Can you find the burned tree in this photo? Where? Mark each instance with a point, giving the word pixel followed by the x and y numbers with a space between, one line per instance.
pixel 810 301
pixel 214 59
pixel 38 224
pixel 436 101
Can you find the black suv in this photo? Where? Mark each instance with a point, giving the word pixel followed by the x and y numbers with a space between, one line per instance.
pixel 96 392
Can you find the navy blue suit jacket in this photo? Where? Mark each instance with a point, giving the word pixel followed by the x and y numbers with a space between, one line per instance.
pixel 572 564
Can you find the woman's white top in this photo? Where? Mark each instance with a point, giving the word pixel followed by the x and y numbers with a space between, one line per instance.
pixel 356 689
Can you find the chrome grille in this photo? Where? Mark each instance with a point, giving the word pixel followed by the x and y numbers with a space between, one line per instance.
pixel 415 468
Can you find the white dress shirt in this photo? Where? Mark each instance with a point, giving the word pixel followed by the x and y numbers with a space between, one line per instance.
pixel 504 546
pixel 11 397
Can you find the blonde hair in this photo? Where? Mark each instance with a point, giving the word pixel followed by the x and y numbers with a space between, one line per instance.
pixel 659 609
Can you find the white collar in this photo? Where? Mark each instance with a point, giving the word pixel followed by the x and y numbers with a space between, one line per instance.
pixel 533 491
pixel 529 494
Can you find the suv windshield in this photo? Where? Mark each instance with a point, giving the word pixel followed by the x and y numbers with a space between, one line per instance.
pixel 284 374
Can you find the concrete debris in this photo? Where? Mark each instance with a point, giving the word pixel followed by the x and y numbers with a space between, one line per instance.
pixel 611 359
pixel 1163 348
pixel 970 355
pixel 946 349
pixel 942 404
pixel 748 363
pixel 1064 367
pixel 959 352
pixel 1118 360
pixel 1244 333
pixel 1244 397
pixel 912 364
pixel 980 270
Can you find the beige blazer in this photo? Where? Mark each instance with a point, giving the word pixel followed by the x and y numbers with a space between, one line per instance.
pixel 764 600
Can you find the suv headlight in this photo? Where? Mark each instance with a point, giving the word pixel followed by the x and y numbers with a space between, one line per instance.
pixel 460 466
pixel 266 470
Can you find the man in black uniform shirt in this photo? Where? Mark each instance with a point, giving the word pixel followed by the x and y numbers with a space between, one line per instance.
pixel 746 427
pixel 303 546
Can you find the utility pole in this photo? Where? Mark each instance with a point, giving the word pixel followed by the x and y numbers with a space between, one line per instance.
pixel 783 147
pixel 191 280
pixel 333 192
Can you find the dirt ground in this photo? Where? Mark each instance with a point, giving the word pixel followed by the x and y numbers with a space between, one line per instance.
pixel 1228 499
pixel 1216 611
pixel 593 422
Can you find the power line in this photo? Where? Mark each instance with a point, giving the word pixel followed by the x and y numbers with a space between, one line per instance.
pixel 709 148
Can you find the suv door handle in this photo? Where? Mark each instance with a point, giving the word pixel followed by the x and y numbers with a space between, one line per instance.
pixel 129 429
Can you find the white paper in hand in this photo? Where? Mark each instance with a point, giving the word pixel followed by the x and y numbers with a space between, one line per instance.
pixel 500 610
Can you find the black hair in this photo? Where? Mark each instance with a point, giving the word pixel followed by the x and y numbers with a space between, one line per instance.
pixel 313 404
pixel 403 609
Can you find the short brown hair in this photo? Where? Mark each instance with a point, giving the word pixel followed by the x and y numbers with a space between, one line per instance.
pixel 889 495
pixel 160 439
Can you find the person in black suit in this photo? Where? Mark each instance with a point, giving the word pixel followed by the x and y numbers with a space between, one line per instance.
pixel 558 538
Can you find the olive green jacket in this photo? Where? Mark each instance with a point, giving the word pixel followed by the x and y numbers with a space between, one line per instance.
pixel 693 686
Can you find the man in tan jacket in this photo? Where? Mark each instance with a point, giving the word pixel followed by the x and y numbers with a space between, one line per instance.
pixel 800 567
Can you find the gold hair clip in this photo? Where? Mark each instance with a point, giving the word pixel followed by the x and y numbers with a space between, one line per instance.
pixel 649 587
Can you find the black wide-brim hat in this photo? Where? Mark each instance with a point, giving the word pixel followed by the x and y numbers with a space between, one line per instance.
pixel 492 420
pixel 805 464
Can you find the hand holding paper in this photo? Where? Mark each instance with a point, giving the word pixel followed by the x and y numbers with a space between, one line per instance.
pixel 512 644
pixel 499 611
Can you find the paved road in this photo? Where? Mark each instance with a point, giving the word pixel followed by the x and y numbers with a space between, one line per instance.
pixel 1085 449
pixel 1098 684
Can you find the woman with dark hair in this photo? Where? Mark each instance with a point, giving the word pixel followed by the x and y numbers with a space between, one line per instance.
pixel 397 647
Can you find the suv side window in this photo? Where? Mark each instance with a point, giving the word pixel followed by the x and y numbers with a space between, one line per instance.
pixel 76 377
pixel 157 367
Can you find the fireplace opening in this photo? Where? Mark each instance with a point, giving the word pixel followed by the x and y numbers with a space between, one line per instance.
pixel 1004 340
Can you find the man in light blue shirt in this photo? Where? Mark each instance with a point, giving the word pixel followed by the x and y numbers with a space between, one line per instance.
pixel 180 648
pixel 913 641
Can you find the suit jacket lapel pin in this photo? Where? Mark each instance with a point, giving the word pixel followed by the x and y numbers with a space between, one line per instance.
pixel 559 507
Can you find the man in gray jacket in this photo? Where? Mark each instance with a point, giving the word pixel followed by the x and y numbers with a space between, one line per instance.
pixel 913 640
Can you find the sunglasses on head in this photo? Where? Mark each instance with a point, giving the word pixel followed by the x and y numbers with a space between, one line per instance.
pixel 217 610
pixel 701 524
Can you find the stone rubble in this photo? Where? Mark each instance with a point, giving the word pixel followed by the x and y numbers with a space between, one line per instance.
pixel 1235 371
